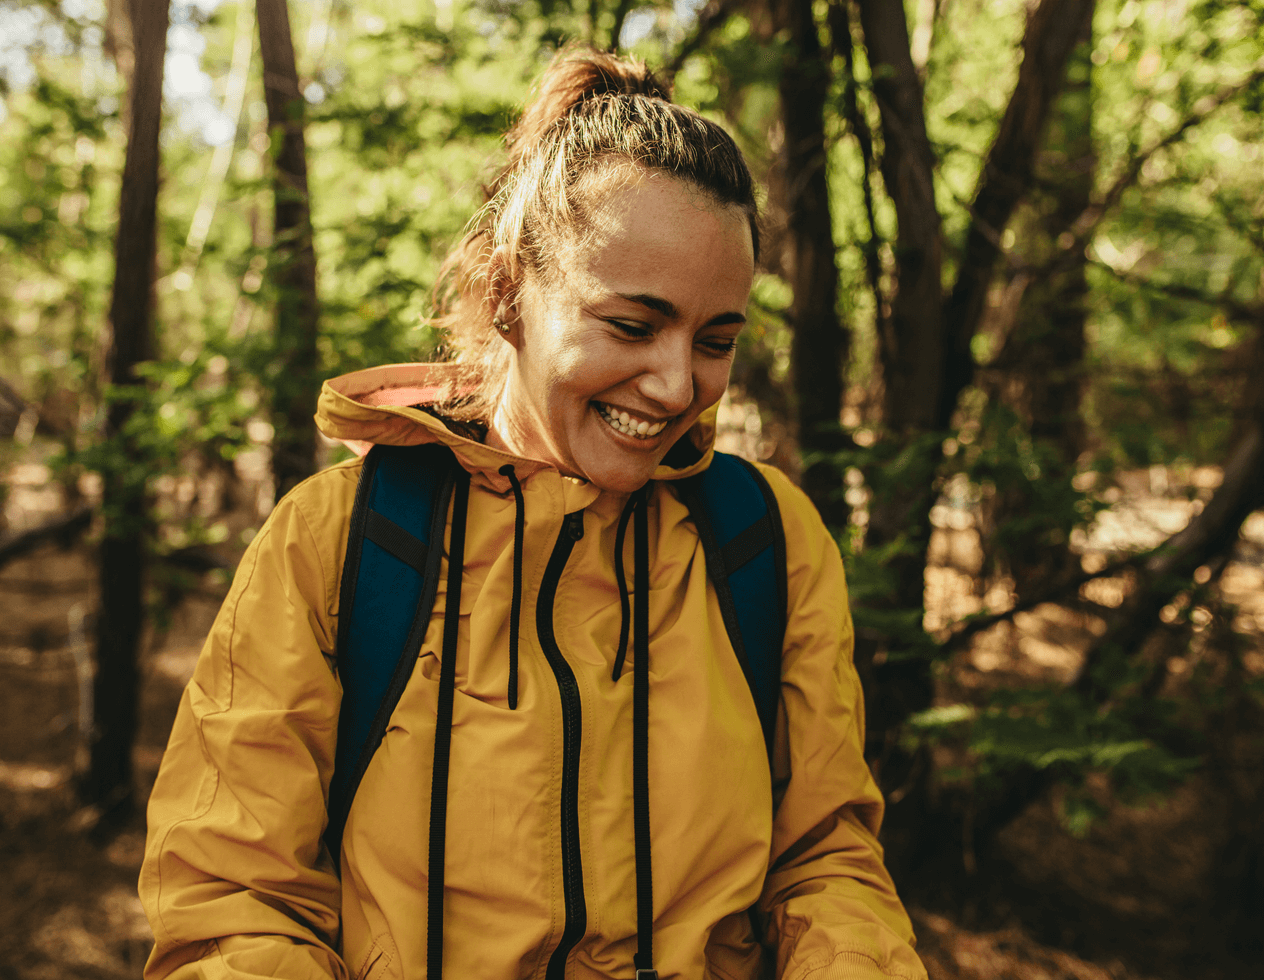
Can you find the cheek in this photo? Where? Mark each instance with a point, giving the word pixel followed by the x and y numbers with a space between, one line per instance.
pixel 711 378
pixel 563 380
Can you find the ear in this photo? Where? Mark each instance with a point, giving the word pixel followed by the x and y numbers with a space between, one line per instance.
pixel 502 295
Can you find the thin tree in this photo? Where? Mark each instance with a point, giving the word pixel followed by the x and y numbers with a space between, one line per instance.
pixel 1039 371
pixel 820 345
pixel 107 784
pixel 294 380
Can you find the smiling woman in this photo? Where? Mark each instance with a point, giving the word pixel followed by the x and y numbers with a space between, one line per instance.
pixel 622 347
pixel 514 803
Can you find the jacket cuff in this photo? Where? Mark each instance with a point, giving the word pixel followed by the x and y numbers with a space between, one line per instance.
pixel 850 964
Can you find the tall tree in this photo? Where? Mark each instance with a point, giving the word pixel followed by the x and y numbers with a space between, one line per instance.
pixel 108 781
pixel 1039 372
pixel 926 355
pixel 295 382
pixel 819 348
pixel 911 353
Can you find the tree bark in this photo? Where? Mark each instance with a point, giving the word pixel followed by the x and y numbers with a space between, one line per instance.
pixel 819 349
pixel 1040 371
pixel 922 348
pixel 911 353
pixel 292 268
pixel 1053 29
pixel 912 347
pixel 107 784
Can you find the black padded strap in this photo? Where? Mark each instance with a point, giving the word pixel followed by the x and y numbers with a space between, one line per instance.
pixel 690 490
pixel 443 730
pixel 778 532
pixel 644 958
pixel 394 540
pixel 747 545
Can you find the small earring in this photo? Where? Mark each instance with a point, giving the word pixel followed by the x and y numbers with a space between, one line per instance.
pixel 500 325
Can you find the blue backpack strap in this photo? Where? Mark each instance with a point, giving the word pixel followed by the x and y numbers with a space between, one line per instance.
pixel 739 525
pixel 389 579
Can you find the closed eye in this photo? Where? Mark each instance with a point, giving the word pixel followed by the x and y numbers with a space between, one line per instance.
pixel 631 330
pixel 720 346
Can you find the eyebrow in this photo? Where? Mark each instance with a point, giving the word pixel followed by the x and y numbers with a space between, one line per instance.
pixel 668 309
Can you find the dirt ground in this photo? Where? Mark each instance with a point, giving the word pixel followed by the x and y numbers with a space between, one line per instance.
pixel 68 907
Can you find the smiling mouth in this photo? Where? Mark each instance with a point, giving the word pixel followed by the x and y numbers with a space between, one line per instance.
pixel 629 425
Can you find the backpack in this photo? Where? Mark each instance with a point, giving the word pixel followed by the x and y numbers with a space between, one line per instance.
pixel 390 577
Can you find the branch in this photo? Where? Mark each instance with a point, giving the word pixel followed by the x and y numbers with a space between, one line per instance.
pixel 715 13
pixel 1059 592
pixel 842 40
pixel 1091 218
pixel 1087 222
pixel 9 394
pixel 1208 537
pixel 620 15
pixel 1254 234
pixel 62 529
pixel 1252 313
pixel 1053 30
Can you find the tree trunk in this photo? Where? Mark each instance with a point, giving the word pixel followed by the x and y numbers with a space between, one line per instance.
pixel 107 784
pixel 911 352
pixel 819 348
pixel 295 384
pixel 927 362
pixel 1041 367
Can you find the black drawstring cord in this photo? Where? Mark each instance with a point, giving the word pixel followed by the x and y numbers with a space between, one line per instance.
pixel 515 612
pixel 443 728
pixel 625 610
pixel 644 959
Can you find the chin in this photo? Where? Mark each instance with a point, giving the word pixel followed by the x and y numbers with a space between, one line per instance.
pixel 621 481
pixel 621 475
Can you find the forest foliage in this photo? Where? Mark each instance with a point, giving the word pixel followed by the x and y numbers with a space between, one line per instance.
pixel 988 290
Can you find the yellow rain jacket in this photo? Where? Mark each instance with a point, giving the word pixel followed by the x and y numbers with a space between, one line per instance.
pixel 238 884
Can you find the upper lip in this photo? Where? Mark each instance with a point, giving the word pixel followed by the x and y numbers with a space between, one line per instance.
pixel 639 415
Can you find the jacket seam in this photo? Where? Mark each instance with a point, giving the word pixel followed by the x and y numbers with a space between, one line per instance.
pixel 328 585
pixel 197 814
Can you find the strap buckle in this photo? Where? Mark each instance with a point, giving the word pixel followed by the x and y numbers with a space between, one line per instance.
pixel 646 975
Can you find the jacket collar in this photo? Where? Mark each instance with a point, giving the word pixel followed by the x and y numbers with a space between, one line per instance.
pixel 385 405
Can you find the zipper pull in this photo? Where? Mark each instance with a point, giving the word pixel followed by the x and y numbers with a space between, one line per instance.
pixel 574 524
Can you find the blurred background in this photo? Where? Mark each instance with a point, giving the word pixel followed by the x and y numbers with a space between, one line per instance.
pixel 1008 333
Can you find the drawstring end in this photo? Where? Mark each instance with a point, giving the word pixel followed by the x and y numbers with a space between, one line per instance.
pixel 515 612
pixel 625 608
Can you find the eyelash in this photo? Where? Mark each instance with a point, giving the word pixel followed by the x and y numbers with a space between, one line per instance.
pixel 629 329
pixel 638 333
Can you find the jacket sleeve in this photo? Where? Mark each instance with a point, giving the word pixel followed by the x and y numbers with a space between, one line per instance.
pixel 235 881
pixel 828 901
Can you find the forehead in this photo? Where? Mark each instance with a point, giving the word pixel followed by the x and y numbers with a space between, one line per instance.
pixel 651 231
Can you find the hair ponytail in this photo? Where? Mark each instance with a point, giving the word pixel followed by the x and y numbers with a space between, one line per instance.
pixel 593 111
pixel 575 76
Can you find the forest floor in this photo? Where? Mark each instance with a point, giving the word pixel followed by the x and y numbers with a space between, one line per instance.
pixel 1124 895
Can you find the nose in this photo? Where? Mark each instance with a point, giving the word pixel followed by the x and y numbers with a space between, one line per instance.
pixel 668 378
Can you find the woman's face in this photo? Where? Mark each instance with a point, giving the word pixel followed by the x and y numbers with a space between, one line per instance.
pixel 629 336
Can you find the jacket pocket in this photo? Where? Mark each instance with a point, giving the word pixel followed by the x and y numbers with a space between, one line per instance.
pixel 375 962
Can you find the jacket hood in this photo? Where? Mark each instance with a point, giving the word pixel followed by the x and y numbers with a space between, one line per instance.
pixel 387 405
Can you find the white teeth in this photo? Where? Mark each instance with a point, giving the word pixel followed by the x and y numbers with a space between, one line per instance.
pixel 628 425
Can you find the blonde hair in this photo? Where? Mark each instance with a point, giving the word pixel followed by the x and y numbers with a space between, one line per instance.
pixel 593 115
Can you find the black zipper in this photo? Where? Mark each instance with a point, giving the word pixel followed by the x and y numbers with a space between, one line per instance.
pixel 572 870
